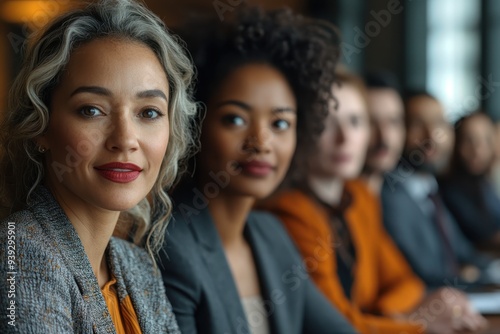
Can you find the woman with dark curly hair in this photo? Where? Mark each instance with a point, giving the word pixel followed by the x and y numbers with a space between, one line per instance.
pixel 266 81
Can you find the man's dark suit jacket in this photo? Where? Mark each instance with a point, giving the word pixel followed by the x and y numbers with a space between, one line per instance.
pixel 202 290
pixel 418 237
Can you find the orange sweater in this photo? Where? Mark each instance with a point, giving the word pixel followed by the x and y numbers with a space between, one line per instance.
pixel 383 281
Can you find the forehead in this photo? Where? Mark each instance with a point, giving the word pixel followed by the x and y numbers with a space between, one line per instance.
pixel 478 124
pixel 260 84
pixel 110 60
pixel 385 102
pixel 425 108
pixel 349 100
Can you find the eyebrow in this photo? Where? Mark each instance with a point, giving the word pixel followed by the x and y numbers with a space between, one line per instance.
pixel 248 108
pixel 152 93
pixel 92 89
pixel 106 92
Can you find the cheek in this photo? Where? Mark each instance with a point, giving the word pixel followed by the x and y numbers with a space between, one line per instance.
pixel 155 147
pixel 285 147
pixel 73 144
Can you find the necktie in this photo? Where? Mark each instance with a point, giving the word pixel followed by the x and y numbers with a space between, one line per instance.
pixel 440 218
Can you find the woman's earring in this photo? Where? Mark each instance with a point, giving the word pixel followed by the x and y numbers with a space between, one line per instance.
pixel 42 149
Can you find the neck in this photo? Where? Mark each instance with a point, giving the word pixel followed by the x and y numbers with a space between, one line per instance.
pixel 230 213
pixel 329 190
pixel 374 181
pixel 94 228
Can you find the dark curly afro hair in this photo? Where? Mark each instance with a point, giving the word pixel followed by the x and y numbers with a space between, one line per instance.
pixel 304 50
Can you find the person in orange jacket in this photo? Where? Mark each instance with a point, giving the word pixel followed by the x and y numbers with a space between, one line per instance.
pixel 336 224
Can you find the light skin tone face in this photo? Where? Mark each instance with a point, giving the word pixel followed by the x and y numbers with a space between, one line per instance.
pixel 249 132
pixel 387 129
pixel 476 145
pixel 110 106
pixel 429 137
pixel 107 136
pixel 344 141
pixel 497 140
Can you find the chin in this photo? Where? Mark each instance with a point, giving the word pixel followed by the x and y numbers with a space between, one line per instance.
pixel 121 204
pixel 255 190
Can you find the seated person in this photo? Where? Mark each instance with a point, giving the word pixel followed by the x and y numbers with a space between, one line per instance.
pixel 265 79
pixel 413 210
pixel 467 189
pixel 89 135
pixel 336 224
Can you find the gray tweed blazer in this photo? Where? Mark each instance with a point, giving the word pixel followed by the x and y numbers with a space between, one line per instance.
pixel 51 283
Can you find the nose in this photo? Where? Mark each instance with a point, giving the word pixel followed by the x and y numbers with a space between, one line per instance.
pixel 123 135
pixel 340 134
pixel 377 134
pixel 258 139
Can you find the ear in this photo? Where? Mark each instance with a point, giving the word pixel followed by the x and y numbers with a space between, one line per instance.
pixel 42 141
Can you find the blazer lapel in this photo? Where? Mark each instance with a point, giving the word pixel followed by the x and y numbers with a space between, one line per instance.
pixel 269 275
pixel 71 249
pixel 221 276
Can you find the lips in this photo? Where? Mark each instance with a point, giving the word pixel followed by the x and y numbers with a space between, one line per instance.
pixel 119 172
pixel 256 168
pixel 341 158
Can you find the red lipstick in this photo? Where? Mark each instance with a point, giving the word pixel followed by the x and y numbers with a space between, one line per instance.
pixel 119 172
pixel 256 168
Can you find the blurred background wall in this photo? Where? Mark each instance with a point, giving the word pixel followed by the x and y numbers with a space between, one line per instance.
pixel 449 47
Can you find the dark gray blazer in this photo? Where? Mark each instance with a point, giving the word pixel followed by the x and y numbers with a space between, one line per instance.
pixel 203 293
pixel 419 240
pixel 55 289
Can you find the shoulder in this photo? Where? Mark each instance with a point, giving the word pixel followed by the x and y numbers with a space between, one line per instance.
pixel 270 231
pixel 34 247
pixel 180 260
pixel 132 257
pixel 293 205
pixel 361 193
pixel 40 279
pixel 265 221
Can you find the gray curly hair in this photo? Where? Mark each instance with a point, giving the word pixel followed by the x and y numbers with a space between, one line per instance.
pixel 47 54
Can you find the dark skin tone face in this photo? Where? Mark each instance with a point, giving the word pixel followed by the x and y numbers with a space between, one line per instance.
pixel 429 137
pixel 248 140
pixel 249 132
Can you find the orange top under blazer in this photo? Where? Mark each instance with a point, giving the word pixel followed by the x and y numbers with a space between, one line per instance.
pixel 383 284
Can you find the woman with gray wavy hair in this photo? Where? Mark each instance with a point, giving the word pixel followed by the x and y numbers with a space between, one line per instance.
pixel 98 123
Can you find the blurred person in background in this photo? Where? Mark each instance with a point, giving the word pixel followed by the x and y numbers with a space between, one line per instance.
pixel 467 189
pixel 414 212
pixel 495 173
pixel 265 79
pixel 335 221
pixel 386 110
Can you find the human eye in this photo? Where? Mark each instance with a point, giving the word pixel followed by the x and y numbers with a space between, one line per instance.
pixel 233 120
pixel 356 121
pixel 151 113
pixel 90 112
pixel 281 124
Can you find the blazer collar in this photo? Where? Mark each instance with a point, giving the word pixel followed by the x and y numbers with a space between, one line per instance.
pixel 212 253
pixel 269 274
pixel 52 218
